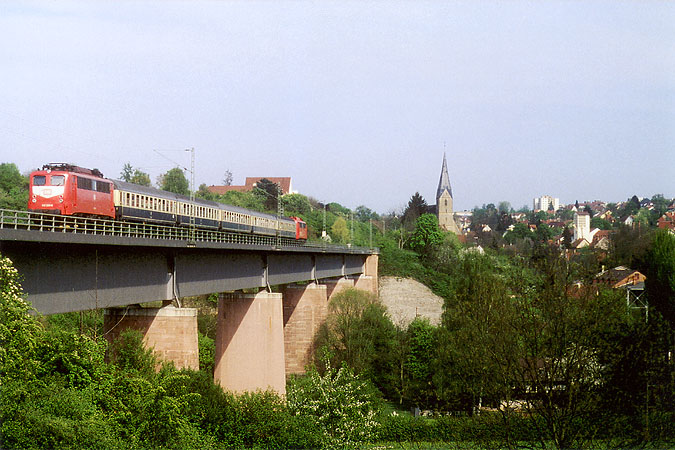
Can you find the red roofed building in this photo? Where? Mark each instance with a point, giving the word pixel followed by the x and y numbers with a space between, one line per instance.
pixel 601 239
pixel 284 182
pixel 619 277
pixel 667 221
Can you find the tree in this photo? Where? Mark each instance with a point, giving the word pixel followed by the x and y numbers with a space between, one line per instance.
pixel 485 215
pixel 543 232
pixel 269 193
pixel 358 333
pixel 296 204
pixel 416 207
pixel 340 231
pixel 419 360
pixel 427 234
pixel 13 188
pixel 565 214
pixel 520 231
pixel 140 178
pixel 659 268
pixel 134 175
pixel 660 205
pixel 540 216
pixel 337 208
pixel 174 181
pixel 631 207
pixel 203 192
pixel 227 179
pixel 514 337
pixel 363 214
pixel 504 207
pixel 567 238
pixel 127 172
pixel 602 224
pixel 505 221
pixel 643 217
pixel 248 200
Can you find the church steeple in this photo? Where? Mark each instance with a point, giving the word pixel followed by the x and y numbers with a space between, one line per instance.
pixel 444 182
pixel 444 200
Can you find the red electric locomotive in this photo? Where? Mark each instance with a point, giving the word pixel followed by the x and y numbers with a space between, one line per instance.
pixel 70 190
pixel 300 229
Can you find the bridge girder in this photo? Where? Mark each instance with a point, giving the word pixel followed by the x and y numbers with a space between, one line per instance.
pixel 62 275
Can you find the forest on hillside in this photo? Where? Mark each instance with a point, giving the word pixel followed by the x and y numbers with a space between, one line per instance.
pixel 532 352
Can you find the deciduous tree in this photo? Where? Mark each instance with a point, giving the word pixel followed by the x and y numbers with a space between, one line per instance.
pixel 427 234
pixel 340 231
pixel 13 188
pixel 174 181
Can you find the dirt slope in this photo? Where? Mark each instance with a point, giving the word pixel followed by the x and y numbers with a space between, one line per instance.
pixel 405 298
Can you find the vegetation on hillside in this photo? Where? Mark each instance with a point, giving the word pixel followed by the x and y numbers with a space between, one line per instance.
pixel 530 353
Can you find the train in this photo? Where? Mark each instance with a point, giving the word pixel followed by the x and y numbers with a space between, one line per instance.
pixel 70 190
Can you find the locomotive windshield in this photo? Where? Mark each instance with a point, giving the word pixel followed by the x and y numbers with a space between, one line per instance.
pixel 39 180
pixel 58 180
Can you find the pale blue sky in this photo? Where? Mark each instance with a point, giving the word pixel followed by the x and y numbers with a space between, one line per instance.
pixel 354 100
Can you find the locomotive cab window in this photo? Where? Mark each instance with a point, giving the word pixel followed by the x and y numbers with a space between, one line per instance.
pixel 57 180
pixel 39 180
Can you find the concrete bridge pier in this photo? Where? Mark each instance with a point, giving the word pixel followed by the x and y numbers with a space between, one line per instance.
pixel 368 280
pixel 305 310
pixel 171 332
pixel 250 342
pixel 336 285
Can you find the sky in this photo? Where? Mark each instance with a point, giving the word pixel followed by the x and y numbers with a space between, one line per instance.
pixel 356 101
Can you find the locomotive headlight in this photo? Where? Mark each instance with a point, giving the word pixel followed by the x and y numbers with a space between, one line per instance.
pixel 60 198
pixel 34 200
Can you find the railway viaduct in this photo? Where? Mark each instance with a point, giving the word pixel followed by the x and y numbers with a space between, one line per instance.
pixel 273 295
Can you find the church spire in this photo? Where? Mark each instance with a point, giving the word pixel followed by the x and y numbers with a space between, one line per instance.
pixel 444 182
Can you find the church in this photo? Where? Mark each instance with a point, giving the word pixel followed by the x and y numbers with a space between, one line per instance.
pixel 444 212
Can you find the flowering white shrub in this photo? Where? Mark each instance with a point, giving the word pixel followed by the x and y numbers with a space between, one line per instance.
pixel 343 406
pixel 18 328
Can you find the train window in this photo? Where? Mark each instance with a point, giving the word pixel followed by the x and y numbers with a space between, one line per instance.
pixel 39 180
pixel 103 187
pixel 84 183
pixel 57 180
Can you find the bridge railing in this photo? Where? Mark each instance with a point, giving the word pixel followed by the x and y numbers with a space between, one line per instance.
pixel 54 223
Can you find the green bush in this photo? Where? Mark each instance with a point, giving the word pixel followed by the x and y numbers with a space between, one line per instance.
pixel 343 407
pixel 207 353
pixel 129 354
pixel 53 416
